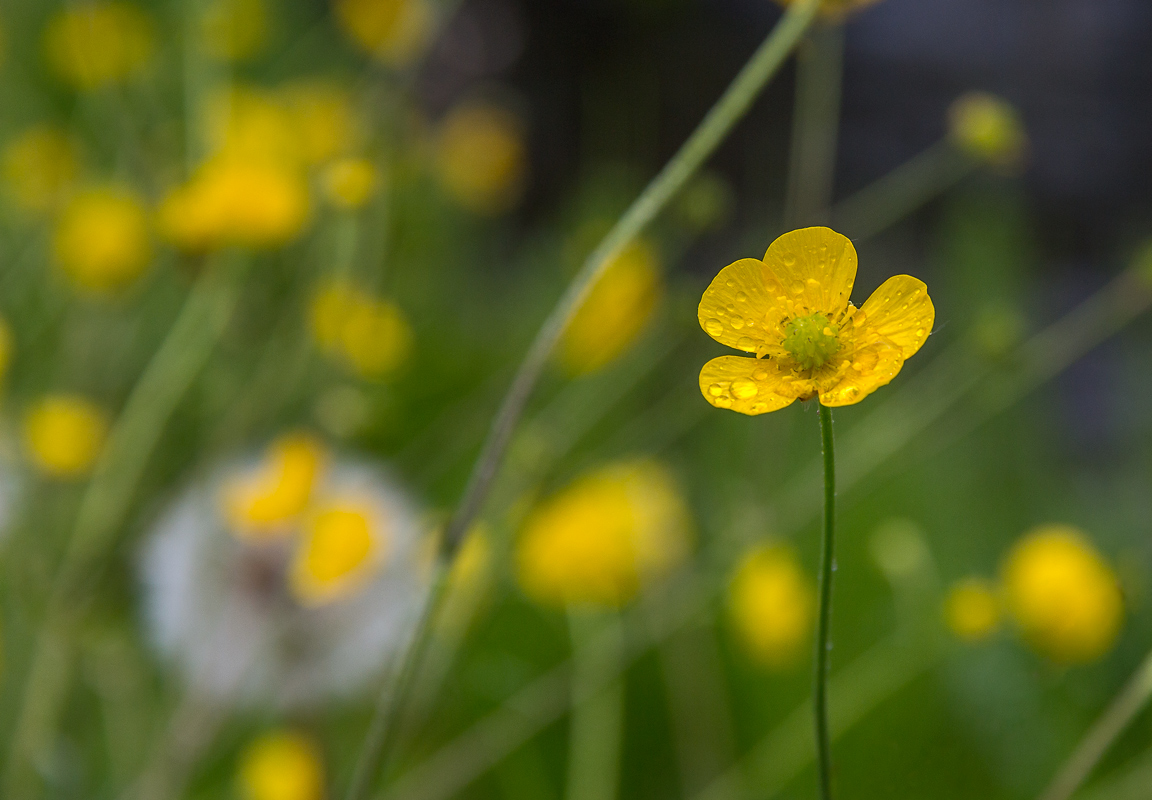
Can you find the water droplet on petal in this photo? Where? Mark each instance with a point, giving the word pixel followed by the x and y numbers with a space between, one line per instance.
pixel 798 287
pixel 789 259
pixel 760 375
pixel 715 390
pixel 714 327
pixel 746 343
pixel 731 284
pixel 744 389
pixel 736 322
pixel 741 297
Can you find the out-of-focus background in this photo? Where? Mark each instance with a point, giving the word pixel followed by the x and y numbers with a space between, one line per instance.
pixel 267 268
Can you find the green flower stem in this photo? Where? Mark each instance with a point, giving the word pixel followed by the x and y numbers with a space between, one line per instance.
pixel 106 503
pixel 903 190
pixel 824 622
pixel 597 718
pixel 1115 719
pixel 704 140
pixel 815 125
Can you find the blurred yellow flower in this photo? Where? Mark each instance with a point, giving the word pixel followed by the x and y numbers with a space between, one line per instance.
pixel 349 182
pixel 972 610
pixel 394 32
pixel 281 765
pixel 246 123
pixel 92 44
pixel 615 312
pixel 262 502
pixel 344 545
pixel 323 119
pixel 792 311
pixel 371 334
pixel 1064 597
pixel 605 537
pixel 236 201
pixel 772 603
pixel 64 434
pixel 987 128
pixel 481 158
pixel 102 239
pixel 40 165
pixel 234 30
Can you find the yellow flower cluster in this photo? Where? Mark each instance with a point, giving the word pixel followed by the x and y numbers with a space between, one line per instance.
pixel 987 128
pixel 281 765
pixel 253 190
pixel 394 32
pixel 93 44
pixel 370 334
pixel 605 537
pixel 792 312
pixel 615 312
pixel 102 240
pixel 340 538
pixel 40 166
pixel 771 602
pixel 482 158
pixel 64 435
pixel 1062 596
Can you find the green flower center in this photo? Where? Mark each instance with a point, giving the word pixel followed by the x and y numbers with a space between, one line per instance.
pixel 811 341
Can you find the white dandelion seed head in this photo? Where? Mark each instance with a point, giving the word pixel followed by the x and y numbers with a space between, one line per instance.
pixel 314 611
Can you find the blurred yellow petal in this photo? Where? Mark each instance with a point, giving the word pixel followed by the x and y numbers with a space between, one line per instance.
pixel 90 45
pixel 342 544
pixel 102 240
pixel 864 370
pixel 972 610
pixel 394 32
pixel 40 165
pixel 349 183
pixel 816 267
pixel 281 765
pixel 743 307
pixel 900 311
pixel 772 602
pixel 482 158
pixel 747 385
pixel 64 435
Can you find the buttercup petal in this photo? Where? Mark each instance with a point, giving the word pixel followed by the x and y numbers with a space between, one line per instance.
pixel 741 307
pixel 869 367
pixel 816 267
pixel 748 385
pixel 900 311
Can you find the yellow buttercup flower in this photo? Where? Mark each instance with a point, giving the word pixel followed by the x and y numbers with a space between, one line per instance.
pixel 40 165
pixel 246 123
pixel 988 128
pixel 234 30
pixel 93 44
pixel 792 312
pixel 345 543
pixel 1064 597
pixel 236 201
pixel 972 609
pixel 64 434
pixel 349 182
pixel 324 119
pixel 772 604
pixel 394 32
pixel 102 239
pixel 615 312
pixel 262 502
pixel 481 158
pixel 605 537
pixel 371 334
pixel 281 765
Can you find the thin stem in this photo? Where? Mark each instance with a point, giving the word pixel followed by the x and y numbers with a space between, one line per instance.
pixel 823 633
pixel 700 145
pixel 598 708
pixel 1131 700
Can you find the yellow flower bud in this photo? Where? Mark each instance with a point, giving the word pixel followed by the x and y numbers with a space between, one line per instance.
pixel 371 334
pixel 102 239
pixel 40 165
pixel 972 610
pixel 281 765
pixel 93 44
pixel 987 128
pixel 261 503
pixel 394 32
pixel 481 158
pixel 771 602
pixel 64 435
pixel 605 537
pixel 615 312
pixel 1063 596
pixel 350 182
